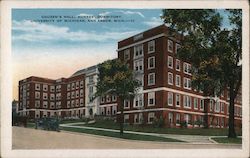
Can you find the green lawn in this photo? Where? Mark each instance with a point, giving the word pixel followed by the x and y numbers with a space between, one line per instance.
pixel 147 128
pixel 226 140
pixel 124 136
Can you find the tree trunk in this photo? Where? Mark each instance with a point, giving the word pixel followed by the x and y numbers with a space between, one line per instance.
pixel 231 131
pixel 206 113
pixel 121 116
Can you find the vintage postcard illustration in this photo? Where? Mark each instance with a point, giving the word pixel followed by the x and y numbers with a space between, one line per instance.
pixel 126 79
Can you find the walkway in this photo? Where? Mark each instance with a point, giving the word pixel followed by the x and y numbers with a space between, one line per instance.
pixel 26 138
pixel 193 139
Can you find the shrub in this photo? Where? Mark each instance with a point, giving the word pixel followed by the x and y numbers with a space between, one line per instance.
pixel 158 122
pixel 183 124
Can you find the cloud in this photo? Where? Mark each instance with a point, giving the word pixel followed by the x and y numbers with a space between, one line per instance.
pixel 154 21
pixel 40 32
pixel 104 13
pixel 131 13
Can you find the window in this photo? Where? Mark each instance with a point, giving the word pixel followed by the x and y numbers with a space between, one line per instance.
pixel 178 80
pixel 177 65
pixel 114 109
pixel 114 98
pixel 108 98
pixel 102 99
pixel 52 88
pixel 187 68
pixel 45 87
pixel 140 78
pixel 37 95
pixel 170 78
pixel 195 103
pixel 151 79
pixel 138 100
pixel 37 103
pixel 217 106
pixel 77 103
pixel 187 101
pixel 58 88
pixel 81 102
pixel 136 118
pixel 91 79
pixel 151 99
pixel 126 118
pixel 187 83
pixel 68 104
pixel 52 105
pixel 177 100
pixel 151 46
pixel 177 47
pixel 37 86
pixel 170 46
pixel 77 85
pixel 188 118
pixel 126 54
pixel 170 62
pixel 126 104
pixel 211 105
pixel 222 107
pixel 81 84
pixel 81 93
pixel 138 65
pixel 77 94
pixel 151 62
pixel 45 104
pixel 91 90
pixel 201 104
pixel 138 51
pixel 178 118
pixel 151 116
pixel 170 99
pixel 72 86
pixel 52 96
pixel 72 94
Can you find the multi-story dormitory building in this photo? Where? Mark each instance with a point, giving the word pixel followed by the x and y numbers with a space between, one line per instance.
pixel 165 89
pixel 71 97
pixel 166 84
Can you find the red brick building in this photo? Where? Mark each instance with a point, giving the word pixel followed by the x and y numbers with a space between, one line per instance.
pixel 166 85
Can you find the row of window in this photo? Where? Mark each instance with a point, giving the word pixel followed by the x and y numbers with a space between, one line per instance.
pixel 75 94
pixel 75 103
pixel 108 98
pixel 139 101
pixel 74 85
pixel 108 110
pixel 139 65
pixel 44 104
pixel 138 49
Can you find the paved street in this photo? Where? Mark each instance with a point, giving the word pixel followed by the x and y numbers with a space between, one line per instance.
pixel 26 138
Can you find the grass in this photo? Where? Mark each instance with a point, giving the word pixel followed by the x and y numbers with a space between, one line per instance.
pixel 150 129
pixel 124 136
pixel 72 121
pixel 226 140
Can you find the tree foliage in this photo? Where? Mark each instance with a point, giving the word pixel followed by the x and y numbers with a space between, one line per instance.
pixel 214 52
pixel 115 78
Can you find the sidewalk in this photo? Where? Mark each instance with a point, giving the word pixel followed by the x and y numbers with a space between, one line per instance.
pixel 193 139
pixel 27 138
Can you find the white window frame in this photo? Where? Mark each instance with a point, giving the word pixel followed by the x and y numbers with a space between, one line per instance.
pixel 177 46
pixel 187 68
pixel 187 101
pixel 179 63
pixel 138 48
pixel 151 43
pixel 140 64
pixel 153 59
pixel 201 104
pixel 170 78
pixel 170 60
pixel 151 95
pixel 179 99
pixel 153 81
pixel 170 42
pixel 127 52
pixel 151 115
pixel 178 84
pixel 196 103
pixel 188 81
pixel 126 102
pixel 170 97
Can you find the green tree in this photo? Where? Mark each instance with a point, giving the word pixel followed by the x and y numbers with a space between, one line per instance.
pixel 115 78
pixel 213 51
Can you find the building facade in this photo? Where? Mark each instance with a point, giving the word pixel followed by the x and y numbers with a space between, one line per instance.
pixel 166 90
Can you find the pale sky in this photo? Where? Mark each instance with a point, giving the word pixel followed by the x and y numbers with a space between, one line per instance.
pixel 56 49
